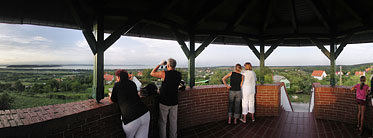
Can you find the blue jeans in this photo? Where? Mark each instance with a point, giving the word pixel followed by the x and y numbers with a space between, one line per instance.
pixel 234 105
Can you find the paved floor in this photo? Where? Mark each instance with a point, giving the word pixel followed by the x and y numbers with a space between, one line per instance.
pixel 287 125
pixel 300 107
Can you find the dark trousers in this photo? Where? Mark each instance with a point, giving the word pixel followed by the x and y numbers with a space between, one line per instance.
pixel 234 105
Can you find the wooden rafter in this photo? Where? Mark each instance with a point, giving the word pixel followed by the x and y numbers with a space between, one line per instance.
pixel 206 10
pixel 293 16
pixel 355 11
pixel 239 15
pixel 268 16
pixel 321 13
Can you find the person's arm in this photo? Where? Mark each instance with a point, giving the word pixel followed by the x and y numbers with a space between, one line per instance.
pixel 353 88
pixel 224 78
pixel 157 74
pixel 113 95
pixel 242 79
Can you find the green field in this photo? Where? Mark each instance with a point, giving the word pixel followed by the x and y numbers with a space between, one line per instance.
pixel 26 101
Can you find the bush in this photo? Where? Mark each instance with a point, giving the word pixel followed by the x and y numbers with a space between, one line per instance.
pixel 6 101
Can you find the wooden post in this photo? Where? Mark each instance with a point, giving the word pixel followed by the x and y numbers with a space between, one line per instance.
pixel 191 61
pixel 262 59
pixel 332 62
pixel 98 70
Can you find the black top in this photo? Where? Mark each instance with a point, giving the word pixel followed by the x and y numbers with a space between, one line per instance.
pixel 130 104
pixel 169 89
pixel 236 79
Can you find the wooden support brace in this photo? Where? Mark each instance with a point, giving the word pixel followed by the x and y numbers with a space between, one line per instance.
pixel 208 41
pixel 273 47
pixel 181 42
pixel 81 22
pixel 342 45
pixel 125 28
pixel 252 47
pixel 320 46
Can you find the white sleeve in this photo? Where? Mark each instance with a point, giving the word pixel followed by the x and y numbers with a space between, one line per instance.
pixel 137 82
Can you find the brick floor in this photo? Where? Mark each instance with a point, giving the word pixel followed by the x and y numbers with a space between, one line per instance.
pixel 287 125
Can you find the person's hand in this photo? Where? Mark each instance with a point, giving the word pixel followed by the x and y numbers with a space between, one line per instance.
pixel 228 87
pixel 163 62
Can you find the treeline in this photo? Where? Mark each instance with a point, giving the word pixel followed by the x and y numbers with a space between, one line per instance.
pixel 77 83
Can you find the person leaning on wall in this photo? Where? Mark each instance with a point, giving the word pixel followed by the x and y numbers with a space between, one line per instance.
pixel 168 103
pixel 135 115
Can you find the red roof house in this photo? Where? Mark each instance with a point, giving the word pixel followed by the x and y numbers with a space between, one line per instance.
pixel 109 78
pixel 319 74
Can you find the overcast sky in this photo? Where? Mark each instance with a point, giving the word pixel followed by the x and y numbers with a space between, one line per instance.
pixel 28 44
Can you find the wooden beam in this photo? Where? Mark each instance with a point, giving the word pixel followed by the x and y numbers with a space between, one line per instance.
pixel 239 15
pixel 320 13
pixel 272 48
pixel 268 15
pixel 191 62
pixel 320 46
pixel 124 29
pixel 206 10
pixel 252 47
pixel 293 16
pixel 181 42
pixel 356 11
pixel 207 42
pixel 342 45
pixel 84 26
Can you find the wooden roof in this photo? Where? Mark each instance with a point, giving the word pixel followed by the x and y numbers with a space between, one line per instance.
pixel 258 20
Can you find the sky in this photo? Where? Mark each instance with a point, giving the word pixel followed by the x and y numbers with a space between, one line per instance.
pixel 29 44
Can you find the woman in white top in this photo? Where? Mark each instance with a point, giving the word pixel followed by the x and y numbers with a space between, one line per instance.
pixel 248 92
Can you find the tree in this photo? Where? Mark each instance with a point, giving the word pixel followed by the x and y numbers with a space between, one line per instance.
pixel 19 86
pixel 6 101
pixel 76 86
pixel 37 88
pixel 217 77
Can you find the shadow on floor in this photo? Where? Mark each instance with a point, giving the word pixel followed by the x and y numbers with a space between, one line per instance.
pixel 287 125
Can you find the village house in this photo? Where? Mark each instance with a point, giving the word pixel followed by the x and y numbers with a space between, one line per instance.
pixel 319 74
pixel 360 73
pixel 108 78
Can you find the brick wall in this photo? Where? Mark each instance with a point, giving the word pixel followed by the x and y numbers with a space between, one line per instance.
pixel 199 105
pixel 339 103
pixel 268 100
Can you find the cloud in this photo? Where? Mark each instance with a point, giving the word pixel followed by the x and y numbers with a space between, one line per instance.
pixel 40 38
pixel 82 43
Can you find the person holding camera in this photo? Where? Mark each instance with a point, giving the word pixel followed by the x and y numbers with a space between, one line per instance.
pixel 168 103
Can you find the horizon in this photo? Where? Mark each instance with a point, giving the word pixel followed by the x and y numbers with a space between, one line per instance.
pixel 31 44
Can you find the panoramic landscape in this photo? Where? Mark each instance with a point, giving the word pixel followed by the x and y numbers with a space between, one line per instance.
pixel 24 86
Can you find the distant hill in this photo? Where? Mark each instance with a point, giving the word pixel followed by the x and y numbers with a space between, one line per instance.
pixel 31 66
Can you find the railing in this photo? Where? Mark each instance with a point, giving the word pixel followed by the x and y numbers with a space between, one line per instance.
pixel 285 102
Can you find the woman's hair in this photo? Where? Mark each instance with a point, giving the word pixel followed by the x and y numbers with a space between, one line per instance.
pixel 122 74
pixel 362 83
pixel 238 67
pixel 248 63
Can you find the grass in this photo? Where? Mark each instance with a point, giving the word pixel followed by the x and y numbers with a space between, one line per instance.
pixel 302 98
